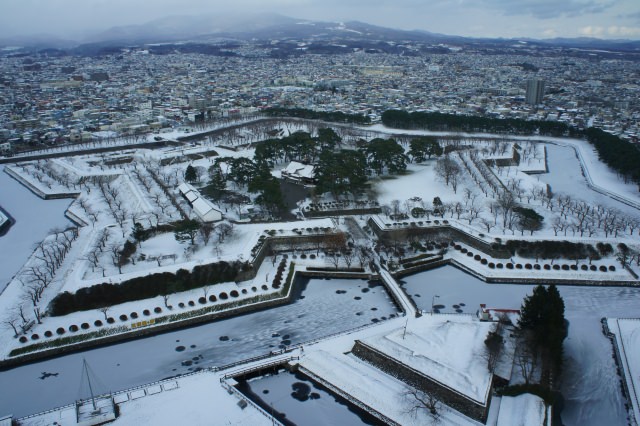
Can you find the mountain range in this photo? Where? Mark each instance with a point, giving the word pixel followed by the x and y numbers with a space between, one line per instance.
pixel 230 27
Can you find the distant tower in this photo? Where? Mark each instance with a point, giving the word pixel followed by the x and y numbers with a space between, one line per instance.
pixel 535 91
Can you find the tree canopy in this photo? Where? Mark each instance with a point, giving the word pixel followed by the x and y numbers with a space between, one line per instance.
pixel 341 172
pixel 542 319
pixel 425 146
pixel 385 154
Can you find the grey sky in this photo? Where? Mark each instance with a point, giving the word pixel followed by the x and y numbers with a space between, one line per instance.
pixel 484 18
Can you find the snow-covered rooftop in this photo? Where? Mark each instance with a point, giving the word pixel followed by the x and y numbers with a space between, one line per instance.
pixel 299 170
pixel 521 410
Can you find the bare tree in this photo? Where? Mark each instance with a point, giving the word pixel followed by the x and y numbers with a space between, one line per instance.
pixel 420 400
pixel 12 322
pixel 349 256
pixel 205 232
pixel 448 170
pixel 104 311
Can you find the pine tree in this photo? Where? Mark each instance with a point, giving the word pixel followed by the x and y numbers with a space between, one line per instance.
pixel 190 175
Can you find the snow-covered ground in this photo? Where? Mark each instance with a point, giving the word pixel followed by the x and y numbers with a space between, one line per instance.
pixel 420 182
pixel 590 384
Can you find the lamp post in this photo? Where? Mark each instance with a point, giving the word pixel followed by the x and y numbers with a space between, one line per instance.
pixel 433 299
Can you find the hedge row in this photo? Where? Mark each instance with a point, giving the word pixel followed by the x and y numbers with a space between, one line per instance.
pixel 139 288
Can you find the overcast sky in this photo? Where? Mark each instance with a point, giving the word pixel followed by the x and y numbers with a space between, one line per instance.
pixel 484 18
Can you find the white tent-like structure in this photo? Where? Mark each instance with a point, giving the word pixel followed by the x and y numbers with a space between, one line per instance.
pixel 203 208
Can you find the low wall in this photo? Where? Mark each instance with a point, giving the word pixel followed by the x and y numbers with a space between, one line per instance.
pixel 453 399
pixel 37 191
pixel 438 232
pixel 346 212
pixel 516 280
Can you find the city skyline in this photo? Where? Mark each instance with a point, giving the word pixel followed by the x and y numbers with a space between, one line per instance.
pixel 540 19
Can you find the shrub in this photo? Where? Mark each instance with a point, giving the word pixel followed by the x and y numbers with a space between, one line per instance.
pixel 477 257
pixel 264 287
pixel 565 267
pixel 157 309
pixel 84 326
pixel 212 298
pixel 134 315
pixel 509 265
pixel 202 300
pixel 492 265
pixel 60 331
pixel 73 328
pixel 612 268
pixel 191 303
pixel 499 265
pixel 244 291
pixel 484 261
pixel 123 317
pixel 584 267
pixel 23 339
pixel 181 305
pixel 518 265
pixel 593 267
pixel 469 254
pixel 528 266
pixel 536 266
pixel 556 267
pixel 34 336
pixel 234 293
pixel 574 267
pixel 146 312
pixel 254 289
pixel 603 268
pixel 48 333
pixel 97 323
pixel 223 296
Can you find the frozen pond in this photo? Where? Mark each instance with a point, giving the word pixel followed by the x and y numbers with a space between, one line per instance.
pixel 34 217
pixel 565 176
pixel 321 307
pixel 296 400
pixel 591 386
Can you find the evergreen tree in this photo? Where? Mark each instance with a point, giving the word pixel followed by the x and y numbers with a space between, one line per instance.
pixel 542 321
pixel 217 181
pixel 186 230
pixel 424 146
pixel 190 175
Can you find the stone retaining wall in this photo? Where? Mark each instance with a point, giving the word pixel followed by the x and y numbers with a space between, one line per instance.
pixel 416 379
pixel 437 233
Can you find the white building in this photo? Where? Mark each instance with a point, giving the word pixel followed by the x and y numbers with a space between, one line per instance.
pixel 203 208
pixel 298 172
